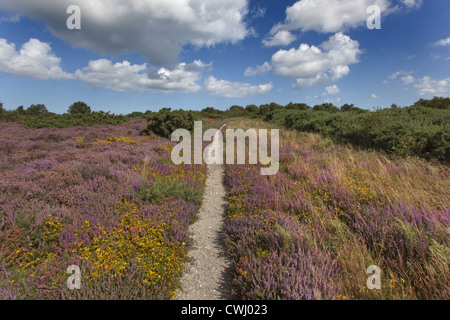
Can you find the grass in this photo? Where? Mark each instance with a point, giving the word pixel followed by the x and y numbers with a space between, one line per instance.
pixel 358 208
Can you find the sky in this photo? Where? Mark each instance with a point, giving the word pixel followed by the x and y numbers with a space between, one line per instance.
pixel 138 55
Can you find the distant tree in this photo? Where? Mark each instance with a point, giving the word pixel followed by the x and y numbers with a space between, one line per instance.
pixel 209 110
pixel 319 107
pixel 264 109
pixel 236 108
pixel 236 111
pixel 275 106
pixel 252 108
pixel 79 107
pixel 394 106
pixel 20 110
pixel 1 108
pixel 326 107
pixel 347 107
pixel 297 106
pixel 435 103
pixel 36 109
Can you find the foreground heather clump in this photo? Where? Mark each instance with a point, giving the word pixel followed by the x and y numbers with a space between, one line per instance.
pixel 85 196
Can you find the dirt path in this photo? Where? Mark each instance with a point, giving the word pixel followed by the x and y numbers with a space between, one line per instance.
pixel 206 275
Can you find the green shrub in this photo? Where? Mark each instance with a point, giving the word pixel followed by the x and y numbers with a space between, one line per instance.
pixel 159 189
pixel 166 121
pixel 419 130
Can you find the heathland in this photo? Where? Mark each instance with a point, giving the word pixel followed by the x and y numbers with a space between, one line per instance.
pixel 355 188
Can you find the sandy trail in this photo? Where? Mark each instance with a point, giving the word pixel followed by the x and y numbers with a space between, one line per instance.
pixel 206 275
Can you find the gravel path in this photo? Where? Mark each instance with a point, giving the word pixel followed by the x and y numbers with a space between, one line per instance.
pixel 206 275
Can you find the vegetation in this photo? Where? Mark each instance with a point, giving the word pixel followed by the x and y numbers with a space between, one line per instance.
pixel 88 188
pixel 419 130
pixel 312 230
pixel 79 107
pixel 166 121
pixel 99 198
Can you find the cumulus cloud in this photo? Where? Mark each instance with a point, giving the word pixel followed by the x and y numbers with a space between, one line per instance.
pixel 429 87
pixel 328 15
pixel 229 89
pixel 280 38
pixel 265 67
pixel 408 79
pixel 156 29
pixel 442 42
pixel 331 16
pixel 127 77
pixel 374 96
pixel 34 60
pixel 331 90
pixel 312 65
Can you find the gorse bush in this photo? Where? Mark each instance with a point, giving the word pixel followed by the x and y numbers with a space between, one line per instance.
pixel 420 130
pixel 166 121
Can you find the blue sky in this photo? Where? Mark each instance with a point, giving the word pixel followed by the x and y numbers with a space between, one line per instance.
pixel 139 55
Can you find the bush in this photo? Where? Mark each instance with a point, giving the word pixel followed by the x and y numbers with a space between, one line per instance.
pixel 79 107
pixel 166 121
pixel 419 130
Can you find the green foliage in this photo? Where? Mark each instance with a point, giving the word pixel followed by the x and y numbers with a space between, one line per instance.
pixel 252 108
pixel 164 188
pixel 297 106
pixel 66 120
pixel 419 130
pixel 36 109
pixel 79 107
pixel 210 112
pixel 435 103
pixel 166 121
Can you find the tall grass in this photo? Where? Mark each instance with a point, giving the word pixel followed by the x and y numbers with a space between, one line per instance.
pixel 353 208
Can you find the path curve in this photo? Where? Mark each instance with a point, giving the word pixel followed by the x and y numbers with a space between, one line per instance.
pixel 207 272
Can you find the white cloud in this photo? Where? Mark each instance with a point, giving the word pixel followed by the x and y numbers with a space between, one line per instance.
pixel 127 77
pixel 156 29
pixel 312 65
pixel 328 15
pixel 331 90
pixel 408 79
pixel 412 3
pixel 374 96
pixel 429 87
pixel 395 75
pixel 442 42
pixel 280 38
pixel 229 89
pixel 265 67
pixel 34 60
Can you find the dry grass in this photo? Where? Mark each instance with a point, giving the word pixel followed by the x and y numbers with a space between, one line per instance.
pixel 372 179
